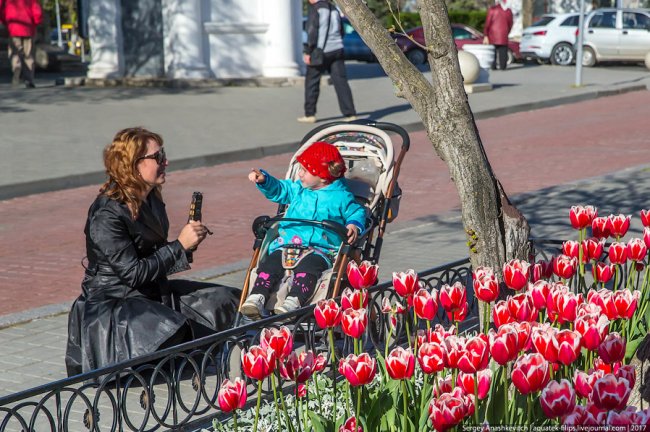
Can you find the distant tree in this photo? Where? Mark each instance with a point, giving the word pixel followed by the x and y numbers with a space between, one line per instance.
pixel 496 231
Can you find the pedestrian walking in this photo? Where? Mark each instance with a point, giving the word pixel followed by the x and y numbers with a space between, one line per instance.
pixel 21 17
pixel 498 24
pixel 324 53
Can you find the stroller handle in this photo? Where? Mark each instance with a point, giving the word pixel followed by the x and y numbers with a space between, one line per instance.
pixel 330 225
pixel 388 127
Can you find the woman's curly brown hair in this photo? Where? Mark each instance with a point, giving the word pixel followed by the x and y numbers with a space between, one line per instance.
pixel 124 183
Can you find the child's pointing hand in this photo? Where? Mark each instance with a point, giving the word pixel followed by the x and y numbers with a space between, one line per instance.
pixel 256 176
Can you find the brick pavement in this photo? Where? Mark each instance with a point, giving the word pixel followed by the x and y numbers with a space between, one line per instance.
pixel 42 234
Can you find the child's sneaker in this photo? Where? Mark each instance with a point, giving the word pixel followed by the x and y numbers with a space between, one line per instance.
pixel 290 304
pixel 253 307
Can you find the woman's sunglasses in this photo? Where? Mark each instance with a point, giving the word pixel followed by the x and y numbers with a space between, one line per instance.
pixel 159 156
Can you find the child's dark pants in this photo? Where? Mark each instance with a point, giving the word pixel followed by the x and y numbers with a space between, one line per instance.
pixel 305 276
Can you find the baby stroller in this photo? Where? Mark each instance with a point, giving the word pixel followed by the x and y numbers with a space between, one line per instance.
pixel 371 176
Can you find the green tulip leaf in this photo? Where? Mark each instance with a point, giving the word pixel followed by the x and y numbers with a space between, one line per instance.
pixel 318 422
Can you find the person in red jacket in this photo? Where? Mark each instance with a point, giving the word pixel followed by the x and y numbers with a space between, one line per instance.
pixel 498 24
pixel 21 17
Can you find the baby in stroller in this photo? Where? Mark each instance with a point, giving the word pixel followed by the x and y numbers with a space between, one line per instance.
pixel 320 193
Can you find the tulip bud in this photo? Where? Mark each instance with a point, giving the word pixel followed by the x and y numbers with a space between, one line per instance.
pixel 232 395
pixel 400 363
pixel 362 276
pixel 327 313
pixel 516 274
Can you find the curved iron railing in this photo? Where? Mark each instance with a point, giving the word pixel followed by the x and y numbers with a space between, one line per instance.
pixel 178 386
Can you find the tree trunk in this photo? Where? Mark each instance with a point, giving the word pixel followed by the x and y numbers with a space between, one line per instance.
pixel 496 231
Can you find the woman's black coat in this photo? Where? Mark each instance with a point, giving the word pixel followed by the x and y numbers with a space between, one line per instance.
pixel 128 307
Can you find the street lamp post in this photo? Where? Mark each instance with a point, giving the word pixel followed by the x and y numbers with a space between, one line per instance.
pixel 58 23
pixel 581 30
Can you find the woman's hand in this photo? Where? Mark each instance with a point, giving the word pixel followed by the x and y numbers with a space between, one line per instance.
pixel 486 40
pixel 192 235
pixel 256 176
pixel 353 233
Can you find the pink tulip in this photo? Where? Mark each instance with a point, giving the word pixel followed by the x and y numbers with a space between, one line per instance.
pixel 400 363
pixel 645 218
pixel 603 272
pixel 501 314
pixel 466 382
pixel 628 372
pixel 564 266
pixel 581 217
pixel 362 276
pixel 516 274
pixel 539 292
pixel 530 373
pixel 425 304
pixel 355 299
pixel 569 344
pixel 618 225
pixel 431 357
pixel 438 333
pixel 523 330
pixel 592 329
pixel 298 367
pixel 406 283
pixel 258 362
pixel 593 248
pixel 358 370
pixel 544 341
pixel 636 250
pixel 503 344
pixel 447 411
pixel 580 416
pixel 603 298
pixel 611 393
pixel 558 399
pixel 612 349
pixel 584 382
pixel 625 302
pixel 486 286
pixel 521 307
pixel 350 425
pixel 279 340
pixel 232 395
pixel 354 322
pixel 571 248
pixel 646 236
pixel 327 313
pixel 320 361
pixel 475 355
pixel 617 253
pixel 454 346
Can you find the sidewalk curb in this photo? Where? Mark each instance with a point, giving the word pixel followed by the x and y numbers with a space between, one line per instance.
pixel 86 179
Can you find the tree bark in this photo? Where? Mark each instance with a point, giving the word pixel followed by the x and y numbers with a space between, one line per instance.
pixel 496 231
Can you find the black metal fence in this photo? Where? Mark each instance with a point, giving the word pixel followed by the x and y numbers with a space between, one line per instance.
pixel 177 388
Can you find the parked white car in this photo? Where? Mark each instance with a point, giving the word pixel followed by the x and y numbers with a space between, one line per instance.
pixel 616 35
pixel 551 38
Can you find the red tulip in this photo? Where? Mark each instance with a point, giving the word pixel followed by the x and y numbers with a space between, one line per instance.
pixel 279 340
pixel 544 341
pixel 628 372
pixel 501 314
pixel 571 248
pixel 622 418
pixel 562 304
pixel 603 298
pixel 521 307
pixel 600 228
pixel 298 367
pixel 612 349
pixel 475 356
pixel 564 266
pixel 354 322
pixel 580 416
pixel 355 299
pixel 542 270
pixel 558 399
pixel 625 302
pixel 320 361
pixel 466 382
pixel 588 309
pixel 327 313
pixel 503 344
pixel 453 298
pixel 523 330
pixel 258 362
pixel 646 236
pixel 611 393
pixel 438 333
pixel 584 382
pixel 617 253
pixel 603 272
pixel 459 314
pixel 400 363
pixel 516 274
pixel 425 304
pixel 641 417
pixel 593 248
pixel 302 391
pixel 358 370
pixel 636 250
pixel 592 329
pixel 232 395
pixel 618 225
pixel 447 411
pixel 530 373
pixel 645 218
pixel 486 286
pixel 602 366
pixel 431 357
pixel 363 275
pixel 350 425
pixel 454 346
pixel 406 283
pixel 581 217
pixel 539 292
pixel 568 346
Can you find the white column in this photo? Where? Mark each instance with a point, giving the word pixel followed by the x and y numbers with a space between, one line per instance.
pixel 183 27
pixel 105 35
pixel 283 38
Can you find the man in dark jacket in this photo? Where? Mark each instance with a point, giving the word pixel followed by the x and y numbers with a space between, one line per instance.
pixel 498 24
pixel 324 32
pixel 21 17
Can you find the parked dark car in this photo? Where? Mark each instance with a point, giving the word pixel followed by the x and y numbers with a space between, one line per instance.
pixel 462 35
pixel 353 46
